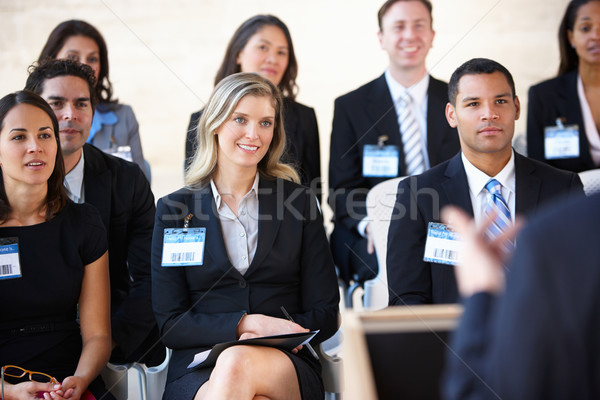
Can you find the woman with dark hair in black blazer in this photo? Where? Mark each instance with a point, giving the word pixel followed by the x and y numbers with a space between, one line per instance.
pixel 563 118
pixel 260 245
pixel 263 45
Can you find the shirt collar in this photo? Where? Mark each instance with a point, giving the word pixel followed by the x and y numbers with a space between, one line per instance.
pixel 418 91
pixel 253 191
pixel 74 181
pixel 477 179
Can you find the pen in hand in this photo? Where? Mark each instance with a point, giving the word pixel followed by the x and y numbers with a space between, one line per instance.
pixel 289 317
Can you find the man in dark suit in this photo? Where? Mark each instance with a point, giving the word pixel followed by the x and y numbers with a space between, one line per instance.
pixel 372 115
pixel 484 107
pixel 538 338
pixel 119 190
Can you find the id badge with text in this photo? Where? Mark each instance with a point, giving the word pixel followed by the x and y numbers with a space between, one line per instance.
pixel 183 247
pixel 380 161
pixel 443 246
pixel 561 142
pixel 10 266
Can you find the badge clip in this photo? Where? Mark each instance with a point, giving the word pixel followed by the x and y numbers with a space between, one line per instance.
pixel 186 222
pixel 381 139
pixel 559 123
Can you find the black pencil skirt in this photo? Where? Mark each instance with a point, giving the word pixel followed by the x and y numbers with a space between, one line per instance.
pixel 308 371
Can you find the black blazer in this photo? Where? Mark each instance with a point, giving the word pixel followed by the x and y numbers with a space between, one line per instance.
pixel 359 118
pixel 121 192
pixel 549 100
pixel 540 339
pixel 199 306
pixel 413 281
pixel 302 141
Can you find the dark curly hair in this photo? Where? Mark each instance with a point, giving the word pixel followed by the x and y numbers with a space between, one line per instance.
pixel 38 74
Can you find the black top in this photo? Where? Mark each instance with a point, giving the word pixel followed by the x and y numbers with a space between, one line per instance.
pixel 44 299
pixel 302 141
pixel 549 100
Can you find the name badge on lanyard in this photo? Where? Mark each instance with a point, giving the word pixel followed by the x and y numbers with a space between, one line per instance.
pixel 443 246
pixel 10 266
pixel 561 141
pixel 183 247
pixel 381 161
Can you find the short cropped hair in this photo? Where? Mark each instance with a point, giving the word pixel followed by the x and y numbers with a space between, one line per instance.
pixel 38 74
pixel 477 66
pixel 386 6
pixel 219 108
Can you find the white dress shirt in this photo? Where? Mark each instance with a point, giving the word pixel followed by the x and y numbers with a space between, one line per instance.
pixel 74 182
pixel 480 196
pixel 591 131
pixel 240 232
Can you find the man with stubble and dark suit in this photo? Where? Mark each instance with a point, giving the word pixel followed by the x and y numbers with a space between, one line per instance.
pixel 122 195
pixel 392 126
pixel 484 107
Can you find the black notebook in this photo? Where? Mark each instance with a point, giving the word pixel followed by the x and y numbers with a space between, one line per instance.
pixel 208 358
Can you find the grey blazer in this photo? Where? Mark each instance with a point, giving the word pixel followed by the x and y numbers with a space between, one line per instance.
pixel 125 131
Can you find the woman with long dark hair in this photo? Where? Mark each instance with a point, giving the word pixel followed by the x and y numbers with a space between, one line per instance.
pixel 563 118
pixel 54 265
pixel 263 45
pixel 114 128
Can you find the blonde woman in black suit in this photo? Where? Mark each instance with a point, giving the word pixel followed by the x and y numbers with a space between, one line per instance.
pixel 263 246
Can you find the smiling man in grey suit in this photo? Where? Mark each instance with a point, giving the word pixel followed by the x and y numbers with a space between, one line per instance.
pixel 392 126
pixel 119 190
pixel 483 106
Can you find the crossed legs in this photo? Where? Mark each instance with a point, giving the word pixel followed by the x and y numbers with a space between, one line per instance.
pixel 253 373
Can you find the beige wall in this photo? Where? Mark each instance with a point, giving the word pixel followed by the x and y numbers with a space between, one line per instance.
pixel 164 54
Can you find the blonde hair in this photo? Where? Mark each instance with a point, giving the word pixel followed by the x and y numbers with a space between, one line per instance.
pixel 221 105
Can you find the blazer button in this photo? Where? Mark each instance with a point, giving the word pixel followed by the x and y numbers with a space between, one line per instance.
pixel 243 284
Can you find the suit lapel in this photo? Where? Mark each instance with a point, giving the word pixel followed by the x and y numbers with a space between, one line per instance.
pixel 436 96
pixel 97 183
pixel 456 186
pixel 527 185
pixel 382 113
pixel 270 196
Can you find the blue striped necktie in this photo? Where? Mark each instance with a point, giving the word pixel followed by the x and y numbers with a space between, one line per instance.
pixel 497 207
pixel 411 137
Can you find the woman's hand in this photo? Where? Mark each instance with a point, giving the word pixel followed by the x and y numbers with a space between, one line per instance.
pixel 29 390
pixel 72 388
pixel 258 325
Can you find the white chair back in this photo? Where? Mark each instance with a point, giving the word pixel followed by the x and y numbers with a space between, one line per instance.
pixel 115 379
pixel 380 203
pixel 591 181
